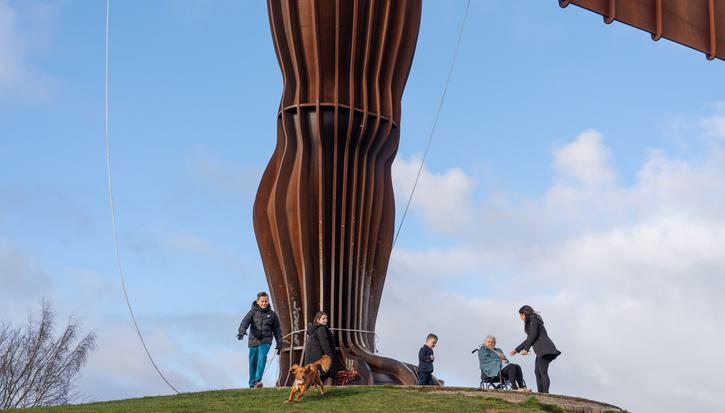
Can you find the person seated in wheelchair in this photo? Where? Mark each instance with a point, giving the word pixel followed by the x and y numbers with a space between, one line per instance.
pixel 491 360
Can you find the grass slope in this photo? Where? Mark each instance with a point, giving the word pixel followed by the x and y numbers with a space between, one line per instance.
pixel 339 399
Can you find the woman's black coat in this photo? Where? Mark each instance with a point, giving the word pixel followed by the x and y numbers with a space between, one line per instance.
pixel 537 337
pixel 319 341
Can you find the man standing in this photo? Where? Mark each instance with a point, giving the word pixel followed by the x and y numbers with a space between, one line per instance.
pixel 263 324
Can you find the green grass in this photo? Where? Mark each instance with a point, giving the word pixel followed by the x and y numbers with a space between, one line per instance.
pixel 340 399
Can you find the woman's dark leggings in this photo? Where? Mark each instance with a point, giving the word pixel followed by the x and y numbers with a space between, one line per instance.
pixel 542 372
pixel 514 375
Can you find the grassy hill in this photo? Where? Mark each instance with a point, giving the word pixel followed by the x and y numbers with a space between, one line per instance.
pixel 342 399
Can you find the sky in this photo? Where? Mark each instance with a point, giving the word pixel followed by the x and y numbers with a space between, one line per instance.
pixel 576 167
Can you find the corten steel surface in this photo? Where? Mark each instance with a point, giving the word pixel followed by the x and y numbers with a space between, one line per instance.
pixel 324 212
pixel 699 24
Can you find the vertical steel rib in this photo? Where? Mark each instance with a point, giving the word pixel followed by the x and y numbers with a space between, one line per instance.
pixel 320 169
pixel 612 13
pixel 357 193
pixel 712 30
pixel 658 21
pixel 333 233
pixel 345 230
pixel 293 208
pixel 368 187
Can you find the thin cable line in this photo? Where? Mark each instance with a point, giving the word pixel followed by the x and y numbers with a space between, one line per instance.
pixel 113 207
pixel 269 363
pixel 435 122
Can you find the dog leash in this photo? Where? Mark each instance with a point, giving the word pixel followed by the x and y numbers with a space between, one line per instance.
pixel 375 335
pixel 269 363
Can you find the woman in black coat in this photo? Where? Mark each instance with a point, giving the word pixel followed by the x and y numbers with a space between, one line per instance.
pixel 544 348
pixel 321 341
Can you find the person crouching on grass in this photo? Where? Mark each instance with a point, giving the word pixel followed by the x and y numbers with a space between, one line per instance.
pixel 425 361
pixel 263 324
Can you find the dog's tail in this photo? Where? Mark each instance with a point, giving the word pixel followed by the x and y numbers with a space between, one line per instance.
pixel 325 362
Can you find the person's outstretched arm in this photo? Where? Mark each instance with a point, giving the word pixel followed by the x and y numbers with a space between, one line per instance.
pixel 244 325
pixel 531 338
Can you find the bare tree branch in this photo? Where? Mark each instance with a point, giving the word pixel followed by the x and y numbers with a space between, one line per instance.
pixel 37 369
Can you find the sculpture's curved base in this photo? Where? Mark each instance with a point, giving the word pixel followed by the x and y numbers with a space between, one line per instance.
pixel 373 369
pixel 385 370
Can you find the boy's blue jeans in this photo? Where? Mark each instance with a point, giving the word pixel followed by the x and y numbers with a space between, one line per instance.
pixel 257 361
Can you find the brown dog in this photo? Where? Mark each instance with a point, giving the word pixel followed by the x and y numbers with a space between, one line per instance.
pixel 307 376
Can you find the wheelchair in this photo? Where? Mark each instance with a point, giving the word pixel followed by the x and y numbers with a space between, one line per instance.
pixel 498 382
pixel 494 383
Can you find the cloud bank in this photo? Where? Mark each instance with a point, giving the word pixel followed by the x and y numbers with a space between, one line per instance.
pixel 19 79
pixel 628 277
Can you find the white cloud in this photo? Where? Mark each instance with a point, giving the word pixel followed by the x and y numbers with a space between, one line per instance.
pixel 708 128
pixel 22 280
pixel 18 77
pixel 119 368
pixel 714 124
pixel 585 161
pixel 436 194
pixel 195 351
pixel 10 46
pixel 629 279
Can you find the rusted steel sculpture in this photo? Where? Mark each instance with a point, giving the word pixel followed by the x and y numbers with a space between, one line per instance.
pixel 324 211
pixel 699 24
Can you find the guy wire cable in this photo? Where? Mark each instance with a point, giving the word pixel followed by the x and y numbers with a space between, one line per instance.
pixel 435 122
pixel 113 208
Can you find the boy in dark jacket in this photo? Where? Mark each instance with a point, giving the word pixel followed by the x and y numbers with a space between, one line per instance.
pixel 425 361
pixel 263 324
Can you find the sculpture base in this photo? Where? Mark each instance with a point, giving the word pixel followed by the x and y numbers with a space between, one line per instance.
pixel 373 369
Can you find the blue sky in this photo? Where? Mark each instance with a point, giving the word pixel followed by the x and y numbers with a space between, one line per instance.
pixel 557 131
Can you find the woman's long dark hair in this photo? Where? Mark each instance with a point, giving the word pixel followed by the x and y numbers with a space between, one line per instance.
pixel 318 315
pixel 528 313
